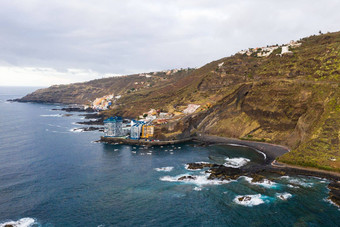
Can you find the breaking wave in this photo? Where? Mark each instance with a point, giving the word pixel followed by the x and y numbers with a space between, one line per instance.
pixel 296 181
pixel 164 169
pixel 236 162
pixel 23 222
pixel 264 155
pixel 76 130
pixel 331 202
pixel 292 186
pixel 284 195
pixel 51 115
pixel 199 180
pixel 265 183
pixel 250 200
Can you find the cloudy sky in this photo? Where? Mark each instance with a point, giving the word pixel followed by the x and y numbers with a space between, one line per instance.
pixel 45 42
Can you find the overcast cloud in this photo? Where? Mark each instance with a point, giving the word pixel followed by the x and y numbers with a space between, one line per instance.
pixel 45 42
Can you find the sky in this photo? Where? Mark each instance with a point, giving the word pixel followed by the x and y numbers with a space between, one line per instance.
pixel 46 42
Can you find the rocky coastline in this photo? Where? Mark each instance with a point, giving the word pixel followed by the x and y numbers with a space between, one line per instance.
pixel 220 172
pixel 257 174
pixel 146 142
pixel 76 109
pixel 256 171
pixel 92 122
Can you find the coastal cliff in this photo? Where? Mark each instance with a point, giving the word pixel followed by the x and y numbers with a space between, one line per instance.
pixel 291 99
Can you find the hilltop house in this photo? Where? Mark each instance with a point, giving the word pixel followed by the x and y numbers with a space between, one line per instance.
pixel 266 51
pixel 285 50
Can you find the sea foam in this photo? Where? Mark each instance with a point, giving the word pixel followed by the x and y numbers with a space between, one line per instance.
pixel 236 162
pixel 23 222
pixel 296 181
pixel 51 115
pixel 77 130
pixel 199 180
pixel 284 195
pixel 331 202
pixel 164 169
pixel 265 183
pixel 250 200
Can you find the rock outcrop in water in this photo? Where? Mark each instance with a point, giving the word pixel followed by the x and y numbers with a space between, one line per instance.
pixel 334 194
pixel 187 178
pixel 199 165
pixel 224 173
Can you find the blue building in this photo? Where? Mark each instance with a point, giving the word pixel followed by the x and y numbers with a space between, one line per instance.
pixel 113 127
pixel 136 130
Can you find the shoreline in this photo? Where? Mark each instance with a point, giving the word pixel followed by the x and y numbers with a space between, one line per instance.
pixel 306 170
pixel 118 140
pixel 271 152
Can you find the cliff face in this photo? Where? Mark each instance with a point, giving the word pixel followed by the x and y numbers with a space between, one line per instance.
pixel 301 115
pixel 291 100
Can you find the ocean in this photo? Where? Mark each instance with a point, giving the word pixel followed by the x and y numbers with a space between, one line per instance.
pixel 53 175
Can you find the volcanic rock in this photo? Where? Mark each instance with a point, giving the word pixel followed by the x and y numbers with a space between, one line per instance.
pixel 200 165
pixel 334 194
pixel 187 178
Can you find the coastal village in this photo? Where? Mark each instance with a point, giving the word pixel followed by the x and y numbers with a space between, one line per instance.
pixel 144 127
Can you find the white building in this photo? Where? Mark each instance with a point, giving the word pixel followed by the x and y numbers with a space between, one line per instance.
pixel 191 108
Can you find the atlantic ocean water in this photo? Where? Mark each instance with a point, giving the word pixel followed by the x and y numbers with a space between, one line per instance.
pixel 51 175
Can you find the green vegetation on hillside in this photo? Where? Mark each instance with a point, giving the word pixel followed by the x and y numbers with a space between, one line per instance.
pixel 290 99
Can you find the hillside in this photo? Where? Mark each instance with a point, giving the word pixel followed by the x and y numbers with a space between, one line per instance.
pixel 290 99
pixel 84 93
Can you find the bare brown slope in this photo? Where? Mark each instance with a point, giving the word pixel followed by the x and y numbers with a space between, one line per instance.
pixel 83 93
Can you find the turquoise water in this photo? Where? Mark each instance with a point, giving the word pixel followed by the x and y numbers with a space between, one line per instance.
pixel 53 176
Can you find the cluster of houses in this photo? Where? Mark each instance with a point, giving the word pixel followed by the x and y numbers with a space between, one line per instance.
pixel 103 103
pixel 125 128
pixel 156 117
pixel 143 128
pixel 266 51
